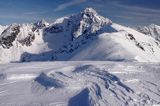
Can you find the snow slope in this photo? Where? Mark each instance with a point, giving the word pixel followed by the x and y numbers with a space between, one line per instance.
pixel 124 45
pixel 83 36
pixel 80 84
pixel 2 28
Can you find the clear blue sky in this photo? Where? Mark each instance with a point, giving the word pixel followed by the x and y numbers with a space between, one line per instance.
pixel 127 12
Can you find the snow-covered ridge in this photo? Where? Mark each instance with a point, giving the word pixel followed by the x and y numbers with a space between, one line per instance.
pixel 83 36
pixel 151 30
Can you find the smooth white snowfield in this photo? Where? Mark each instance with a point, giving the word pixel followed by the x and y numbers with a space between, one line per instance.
pixel 80 83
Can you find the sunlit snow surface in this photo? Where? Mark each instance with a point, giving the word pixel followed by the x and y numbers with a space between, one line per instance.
pixel 79 84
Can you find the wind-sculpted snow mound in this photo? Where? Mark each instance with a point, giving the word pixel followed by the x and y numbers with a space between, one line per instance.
pixel 48 82
pixel 80 84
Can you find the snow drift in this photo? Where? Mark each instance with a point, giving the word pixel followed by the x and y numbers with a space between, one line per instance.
pixel 80 84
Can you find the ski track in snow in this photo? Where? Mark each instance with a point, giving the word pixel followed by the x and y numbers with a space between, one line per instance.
pixel 80 84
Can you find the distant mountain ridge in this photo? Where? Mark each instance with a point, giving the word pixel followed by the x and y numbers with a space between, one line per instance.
pixel 151 30
pixel 83 36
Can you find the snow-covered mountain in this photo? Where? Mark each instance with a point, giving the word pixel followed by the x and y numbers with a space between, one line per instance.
pixel 152 30
pixel 83 36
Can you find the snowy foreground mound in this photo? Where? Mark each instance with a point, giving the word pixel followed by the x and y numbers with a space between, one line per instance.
pixel 79 84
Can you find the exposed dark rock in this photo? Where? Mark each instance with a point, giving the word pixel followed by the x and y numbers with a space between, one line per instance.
pixel 140 46
pixel 6 41
pixel 54 29
pixel 131 37
pixel 28 40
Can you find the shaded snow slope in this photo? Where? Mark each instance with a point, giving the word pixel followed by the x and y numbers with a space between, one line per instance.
pixel 80 84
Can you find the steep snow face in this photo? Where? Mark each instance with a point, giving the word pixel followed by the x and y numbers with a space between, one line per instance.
pixel 152 30
pixel 90 22
pixel 144 48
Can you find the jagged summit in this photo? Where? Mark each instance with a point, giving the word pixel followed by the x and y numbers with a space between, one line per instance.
pixel 89 21
pixel 90 10
pixel 41 23
pixel 92 14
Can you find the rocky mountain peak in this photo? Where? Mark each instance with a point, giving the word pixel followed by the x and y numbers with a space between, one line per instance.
pixel 88 22
pixel 151 30
pixel 94 16
pixel 41 24
pixel 90 11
